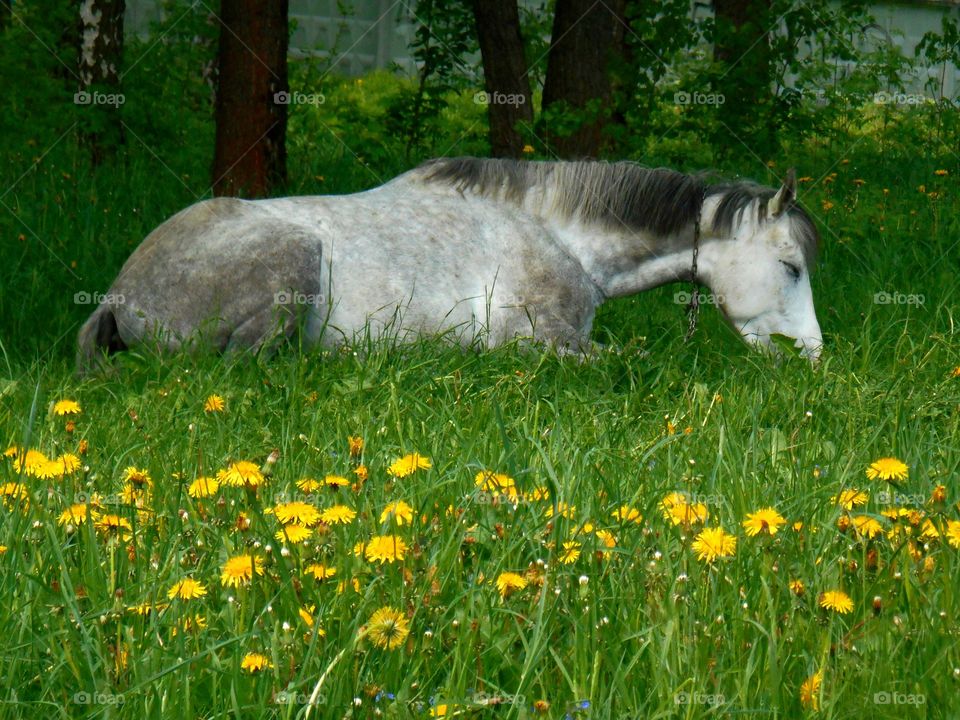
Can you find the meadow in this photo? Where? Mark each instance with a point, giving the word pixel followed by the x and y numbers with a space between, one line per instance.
pixel 671 529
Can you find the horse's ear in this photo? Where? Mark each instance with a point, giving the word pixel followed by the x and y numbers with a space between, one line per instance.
pixel 786 195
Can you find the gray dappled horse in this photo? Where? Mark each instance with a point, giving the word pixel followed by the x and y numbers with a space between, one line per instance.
pixel 483 249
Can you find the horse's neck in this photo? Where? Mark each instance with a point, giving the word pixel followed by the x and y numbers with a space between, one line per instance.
pixel 623 262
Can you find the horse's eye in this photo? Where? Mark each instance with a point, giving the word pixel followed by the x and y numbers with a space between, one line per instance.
pixel 792 269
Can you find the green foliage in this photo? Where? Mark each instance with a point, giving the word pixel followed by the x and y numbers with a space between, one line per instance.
pixel 442 46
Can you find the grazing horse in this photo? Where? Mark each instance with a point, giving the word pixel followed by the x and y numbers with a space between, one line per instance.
pixel 485 249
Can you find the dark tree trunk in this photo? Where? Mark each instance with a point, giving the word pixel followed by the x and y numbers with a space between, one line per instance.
pixel 504 73
pixel 250 157
pixel 578 82
pixel 100 53
pixel 742 49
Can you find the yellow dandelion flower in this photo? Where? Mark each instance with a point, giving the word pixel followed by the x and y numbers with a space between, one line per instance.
pixel 27 463
pixel 827 205
pixel 203 487
pixel 48 470
pixel 293 533
pixel 255 662
pixel 607 538
pixel 889 468
pixel 810 691
pixel 941 173
pixel 570 552
pixel 528 150
pixel 495 483
pixel 15 495
pixel 336 481
pixel 508 582
pixel 385 548
pixel 355 443
pixel 306 614
pixel 625 513
pixel 241 474
pixel 895 513
pixel 836 600
pixel 66 407
pixel 114 526
pixel 338 515
pixel 69 463
pixel 955 372
pixel 145 608
pixel 400 512
pixel 409 464
pixel 797 587
pixel 388 628
pixel 848 499
pixel 186 589
pixel 319 571
pixel 929 530
pixel 343 585
pixel 214 404
pixel 239 570
pixel 953 533
pixel 713 543
pixel 297 512
pixel 562 509
pixel 684 514
pixel 138 477
pixel 866 526
pixel 309 485
pixel 676 508
pixel 191 623
pixel 766 520
pixel 77 514
pixel 361 472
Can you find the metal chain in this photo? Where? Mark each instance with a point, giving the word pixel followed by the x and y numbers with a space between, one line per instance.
pixel 693 309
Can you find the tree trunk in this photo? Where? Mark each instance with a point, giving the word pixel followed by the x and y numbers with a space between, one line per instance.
pixel 250 158
pixel 577 90
pixel 742 48
pixel 504 73
pixel 100 53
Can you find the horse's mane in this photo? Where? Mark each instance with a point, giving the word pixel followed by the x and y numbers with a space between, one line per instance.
pixel 619 194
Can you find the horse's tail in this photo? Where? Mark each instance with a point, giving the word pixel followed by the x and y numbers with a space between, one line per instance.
pixel 98 337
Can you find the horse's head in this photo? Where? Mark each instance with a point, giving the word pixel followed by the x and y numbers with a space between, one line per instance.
pixel 758 249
